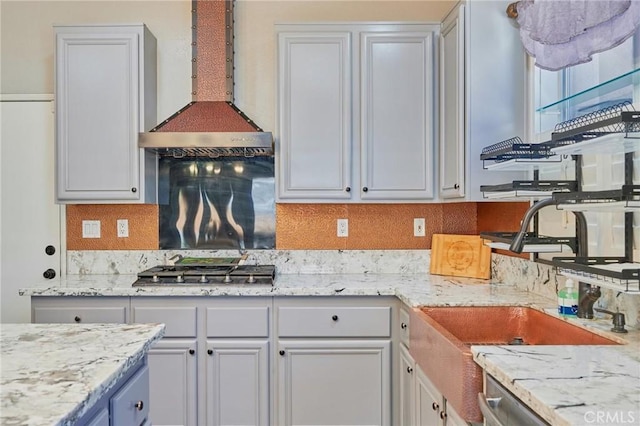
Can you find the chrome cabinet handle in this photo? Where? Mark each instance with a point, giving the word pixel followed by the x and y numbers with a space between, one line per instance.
pixel 139 405
pixel 403 326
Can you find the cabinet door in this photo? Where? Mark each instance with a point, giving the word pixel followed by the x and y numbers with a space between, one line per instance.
pixel 407 387
pixel 429 402
pixel 173 382
pixel 452 154
pixel 334 382
pixel 99 111
pixel 314 103
pixel 237 382
pixel 396 107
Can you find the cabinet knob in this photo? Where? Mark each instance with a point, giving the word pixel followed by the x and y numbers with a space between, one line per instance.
pixel 281 353
pixel 403 326
pixel 365 189
pixel 210 351
pixel 335 318
pixel 134 189
pixel 409 370
pixel 139 405
pixel 348 189
pixel 77 319
pixel 49 274
pixel 456 186
pixel 192 351
pixel 50 250
pixel 443 415
pixel 435 406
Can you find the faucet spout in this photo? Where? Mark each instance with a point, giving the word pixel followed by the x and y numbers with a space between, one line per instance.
pixel 517 244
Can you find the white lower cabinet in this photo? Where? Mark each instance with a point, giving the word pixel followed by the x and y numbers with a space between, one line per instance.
pixel 333 356
pixel 406 386
pixel 334 361
pixel 173 382
pixel 237 382
pixel 431 406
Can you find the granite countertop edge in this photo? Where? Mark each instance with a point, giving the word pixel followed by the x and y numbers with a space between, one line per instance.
pixel 95 374
pixel 416 290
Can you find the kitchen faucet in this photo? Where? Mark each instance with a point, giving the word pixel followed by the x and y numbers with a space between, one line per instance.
pixel 587 294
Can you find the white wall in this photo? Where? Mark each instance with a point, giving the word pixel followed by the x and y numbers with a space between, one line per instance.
pixel 27 41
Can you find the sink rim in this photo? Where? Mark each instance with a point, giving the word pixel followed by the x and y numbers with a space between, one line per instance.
pixel 608 335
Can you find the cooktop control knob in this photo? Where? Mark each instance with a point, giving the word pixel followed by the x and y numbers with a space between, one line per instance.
pixel 180 279
pixel 155 279
pixel 203 279
pixel 227 279
pixel 251 279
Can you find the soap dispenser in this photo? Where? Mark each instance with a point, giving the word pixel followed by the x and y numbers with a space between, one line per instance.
pixel 568 300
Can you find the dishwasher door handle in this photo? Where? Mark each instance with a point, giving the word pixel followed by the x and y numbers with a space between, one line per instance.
pixel 486 406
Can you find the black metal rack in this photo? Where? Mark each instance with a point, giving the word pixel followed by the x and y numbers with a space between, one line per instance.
pixel 618 118
pixel 530 238
pixel 616 272
pixel 542 186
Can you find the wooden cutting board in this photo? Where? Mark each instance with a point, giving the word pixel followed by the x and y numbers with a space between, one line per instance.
pixel 460 256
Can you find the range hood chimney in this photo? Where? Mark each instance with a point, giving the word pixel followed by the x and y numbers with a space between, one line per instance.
pixel 211 125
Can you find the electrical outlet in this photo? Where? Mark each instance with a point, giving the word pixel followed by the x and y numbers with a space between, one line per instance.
pixel 419 227
pixel 343 227
pixel 90 229
pixel 123 228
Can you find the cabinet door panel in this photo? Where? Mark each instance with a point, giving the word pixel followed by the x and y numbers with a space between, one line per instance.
pixel 429 402
pixel 334 383
pixel 238 382
pixel 315 115
pixel 452 103
pixel 124 404
pixel 397 109
pixel 407 387
pixel 94 157
pixel 173 382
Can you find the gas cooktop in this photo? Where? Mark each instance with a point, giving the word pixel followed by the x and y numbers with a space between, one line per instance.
pixel 184 275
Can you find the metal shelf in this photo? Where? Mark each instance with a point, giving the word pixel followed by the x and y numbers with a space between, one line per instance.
pixel 533 243
pixel 625 199
pixel 617 119
pixel 610 272
pixel 528 188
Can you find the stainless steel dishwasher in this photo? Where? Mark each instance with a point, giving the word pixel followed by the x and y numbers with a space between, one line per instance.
pixel 502 408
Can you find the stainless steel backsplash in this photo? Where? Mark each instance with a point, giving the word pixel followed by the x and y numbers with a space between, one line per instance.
pixel 223 203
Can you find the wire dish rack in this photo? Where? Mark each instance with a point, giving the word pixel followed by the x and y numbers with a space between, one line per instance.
pixel 533 243
pixel 611 272
pixel 619 118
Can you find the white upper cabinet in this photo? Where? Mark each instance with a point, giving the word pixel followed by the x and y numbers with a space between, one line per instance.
pixel 105 78
pixel 355 112
pixel 452 155
pixel 482 95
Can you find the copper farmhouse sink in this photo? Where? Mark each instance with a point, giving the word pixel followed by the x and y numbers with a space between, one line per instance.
pixel 441 338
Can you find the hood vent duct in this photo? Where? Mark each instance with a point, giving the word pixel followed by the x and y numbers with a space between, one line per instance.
pixel 211 125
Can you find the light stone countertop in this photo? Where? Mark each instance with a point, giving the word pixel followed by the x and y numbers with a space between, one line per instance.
pixel 52 374
pixel 596 380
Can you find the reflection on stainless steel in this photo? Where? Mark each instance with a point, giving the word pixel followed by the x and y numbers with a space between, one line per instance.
pixel 224 203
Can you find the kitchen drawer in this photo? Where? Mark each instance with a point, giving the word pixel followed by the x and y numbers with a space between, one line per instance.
pixel 334 322
pixel 80 315
pixel 179 321
pixel 130 405
pixel 238 322
pixel 404 327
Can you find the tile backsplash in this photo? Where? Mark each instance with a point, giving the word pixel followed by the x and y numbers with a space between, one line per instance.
pixel 312 226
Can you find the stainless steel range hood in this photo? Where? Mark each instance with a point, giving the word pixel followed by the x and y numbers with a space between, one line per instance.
pixel 211 125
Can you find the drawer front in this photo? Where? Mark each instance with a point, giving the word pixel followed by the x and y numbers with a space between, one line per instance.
pixel 404 327
pixel 334 322
pixel 100 419
pixel 80 315
pixel 130 405
pixel 238 322
pixel 179 322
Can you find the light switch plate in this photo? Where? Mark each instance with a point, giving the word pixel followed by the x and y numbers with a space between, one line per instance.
pixel 90 229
